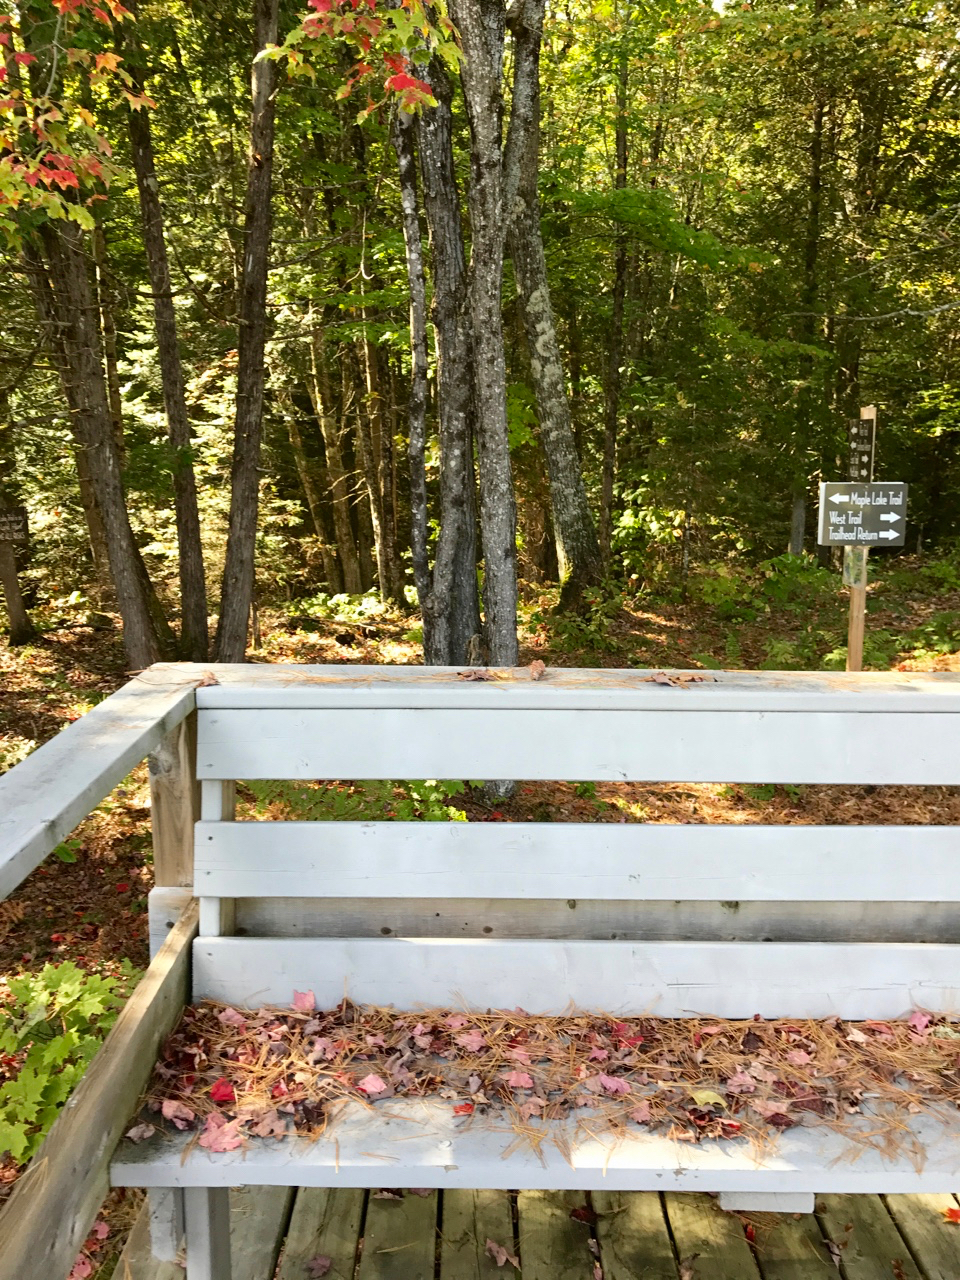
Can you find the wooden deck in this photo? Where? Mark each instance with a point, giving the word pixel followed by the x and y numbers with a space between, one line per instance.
pixel 630 1236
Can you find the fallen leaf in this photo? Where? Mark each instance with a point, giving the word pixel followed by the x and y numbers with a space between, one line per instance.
pixel 740 1082
pixel 270 1125
pixel 207 680
pixel 518 1080
pixel 231 1018
pixel 100 1230
pixel 181 1116
pixel 471 1040
pixel 500 1255
pixel 641 1114
pixel 386 1194
pixel 220 1134
pixel 318 1266
pixel 223 1091
pixel 423 1192
pixel 613 1084
pixel 372 1084
pixel 476 673
pixel 463 1109
pixel 140 1132
pixel 920 1021
pixel 707 1098
pixel 799 1057
pixel 597 1271
pixel 304 1001
pixel 82 1268
pixel 455 1021
pixel 537 669
pixel 583 1214
pixel 951 1215
pixel 688 1268
pixel 834 1251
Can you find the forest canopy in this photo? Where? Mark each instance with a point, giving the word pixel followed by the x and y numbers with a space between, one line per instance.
pixel 367 296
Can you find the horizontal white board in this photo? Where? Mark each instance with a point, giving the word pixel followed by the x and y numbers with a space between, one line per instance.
pixel 576 860
pixel 416 1143
pixel 666 979
pixel 612 746
pixel 293 686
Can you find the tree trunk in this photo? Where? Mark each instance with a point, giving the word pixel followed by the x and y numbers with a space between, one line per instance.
pixel 321 395
pixel 328 553
pixel 611 410
pixel 21 628
pixel 67 311
pixel 481 24
pixel 96 535
pixel 798 523
pixel 451 611
pixel 237 591
pixel 402 136
pixel 578 551
pixel 108 327
pixel 377 462
pixel 194 637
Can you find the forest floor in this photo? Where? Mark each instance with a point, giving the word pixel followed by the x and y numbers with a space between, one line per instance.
pixel 88 903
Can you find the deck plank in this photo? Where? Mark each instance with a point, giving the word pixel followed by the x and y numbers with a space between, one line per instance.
pixel 790 1246
pixel 553 1246
pixel 871 1247
pixel 326 1222
pixel 399 1238
pixel 713 1239
pixel 934 1242
pixel 633 1235
pixel 468 1220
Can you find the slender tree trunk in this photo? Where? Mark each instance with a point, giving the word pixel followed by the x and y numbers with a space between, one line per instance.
pixel 377 462
pixel 578 551
pixel 403 141
pixel 451 611
pixel 194 638
pixel 67 310
pixel 611 409
pixel 328 554
pixel 238 574
pixel 108 327
pixel 321 394
pixel 481 24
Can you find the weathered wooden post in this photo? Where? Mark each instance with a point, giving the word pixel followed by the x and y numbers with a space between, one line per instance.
pixel 174 808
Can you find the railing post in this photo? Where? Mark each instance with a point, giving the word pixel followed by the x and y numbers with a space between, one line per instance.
pixel 175 801
pixel 175 807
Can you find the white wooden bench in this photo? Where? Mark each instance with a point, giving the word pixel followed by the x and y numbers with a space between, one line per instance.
pixel 673 920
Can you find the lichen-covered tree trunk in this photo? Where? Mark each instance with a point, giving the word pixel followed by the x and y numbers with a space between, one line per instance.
pixel 451 609
pixel 194 636
pixel 402 136
pixel 481 24
pixel 578 550
pixel 236 593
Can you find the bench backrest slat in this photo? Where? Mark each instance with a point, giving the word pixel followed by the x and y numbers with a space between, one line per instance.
pixel 582 745
pixel 577 860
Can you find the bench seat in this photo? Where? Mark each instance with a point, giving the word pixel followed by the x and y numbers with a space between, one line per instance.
pixel 420 1143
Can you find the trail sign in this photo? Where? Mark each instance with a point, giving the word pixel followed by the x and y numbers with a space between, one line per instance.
pixel 863 515
pixel 13 524
pixel 863 440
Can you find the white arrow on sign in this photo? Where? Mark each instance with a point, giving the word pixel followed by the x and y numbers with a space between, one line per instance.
pixel 888 533
pixel 890 515
pixel 839 497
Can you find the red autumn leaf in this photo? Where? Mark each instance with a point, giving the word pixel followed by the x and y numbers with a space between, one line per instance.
pixel 176 1112
pixel 24 59
pixel 220 1134
pixel 123 886
pixel 951 1215
pixel 304 1001
pixel 463 1109
pixel 372 1084
pixel 223 1091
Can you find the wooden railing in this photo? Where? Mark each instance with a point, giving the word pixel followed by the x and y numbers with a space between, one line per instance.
pixel 53 1206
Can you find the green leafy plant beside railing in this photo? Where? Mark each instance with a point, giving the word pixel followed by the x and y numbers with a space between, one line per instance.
pixel 51 1025
pixel 372 801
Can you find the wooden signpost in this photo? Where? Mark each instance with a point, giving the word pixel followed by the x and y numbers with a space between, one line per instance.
pixel 857 515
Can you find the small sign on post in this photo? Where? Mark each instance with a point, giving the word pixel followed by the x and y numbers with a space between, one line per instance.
pixel 858 515
pixel 13 524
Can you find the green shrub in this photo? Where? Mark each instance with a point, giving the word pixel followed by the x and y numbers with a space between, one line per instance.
pixel 373 801
pixel 54 1022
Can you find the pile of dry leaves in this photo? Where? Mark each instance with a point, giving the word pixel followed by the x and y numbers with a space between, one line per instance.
pixel 231 1075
